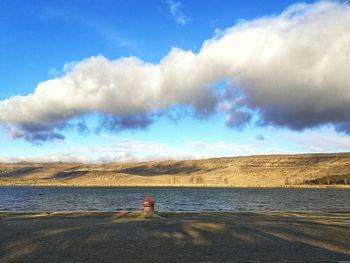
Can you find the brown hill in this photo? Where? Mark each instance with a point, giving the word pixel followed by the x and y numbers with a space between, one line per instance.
pixel 251 171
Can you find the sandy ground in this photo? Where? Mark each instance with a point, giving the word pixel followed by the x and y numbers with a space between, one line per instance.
pixel 176 237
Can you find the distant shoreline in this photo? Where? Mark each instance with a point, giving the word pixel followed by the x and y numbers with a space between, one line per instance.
pixel 187 186
pixel 265 171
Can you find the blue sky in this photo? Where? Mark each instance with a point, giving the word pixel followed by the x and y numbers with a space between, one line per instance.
pixel 45 40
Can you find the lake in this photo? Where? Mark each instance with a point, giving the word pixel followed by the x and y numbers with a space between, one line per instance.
pixel 22 198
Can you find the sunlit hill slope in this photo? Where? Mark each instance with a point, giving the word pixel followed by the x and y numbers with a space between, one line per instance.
pixel 317 170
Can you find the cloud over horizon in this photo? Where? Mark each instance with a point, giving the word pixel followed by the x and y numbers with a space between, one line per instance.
pixel 119 150
pixel 290 70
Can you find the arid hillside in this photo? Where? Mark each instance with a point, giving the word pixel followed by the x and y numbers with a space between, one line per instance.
pixel 252 171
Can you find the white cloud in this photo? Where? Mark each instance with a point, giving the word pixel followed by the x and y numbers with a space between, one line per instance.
pixel 88 158
pixel 292 70
pixel 217 145
pixel 121 150
pixel 129 145
pixel 222 148
pixel 319 141
pixel 57 157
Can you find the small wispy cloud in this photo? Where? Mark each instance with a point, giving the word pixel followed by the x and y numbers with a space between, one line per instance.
pixel 260 137
pixel 109 32
pixel 175 10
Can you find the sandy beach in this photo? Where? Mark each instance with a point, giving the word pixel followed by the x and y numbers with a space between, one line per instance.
pixel 175 237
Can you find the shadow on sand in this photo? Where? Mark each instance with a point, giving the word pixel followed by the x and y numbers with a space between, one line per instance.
pixel 178 237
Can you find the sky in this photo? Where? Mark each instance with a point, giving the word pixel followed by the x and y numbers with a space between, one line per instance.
pixel 125 80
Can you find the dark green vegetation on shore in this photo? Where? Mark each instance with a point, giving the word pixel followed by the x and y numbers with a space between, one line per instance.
pixel 176 237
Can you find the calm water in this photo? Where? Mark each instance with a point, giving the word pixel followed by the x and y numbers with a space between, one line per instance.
pixel 172 199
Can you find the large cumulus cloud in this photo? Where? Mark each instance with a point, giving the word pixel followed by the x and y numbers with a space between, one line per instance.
pixel 291 70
